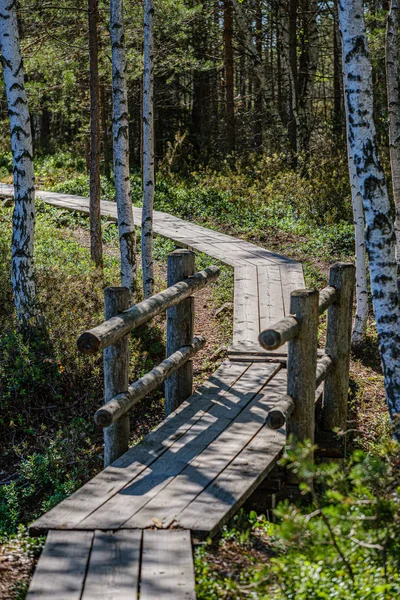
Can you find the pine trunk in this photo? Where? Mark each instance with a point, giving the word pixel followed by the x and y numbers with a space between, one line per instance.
pixel 148 152
pixel 229 82
pixel 379 233
pixel 24 187
pixel 121 148
pixel 393 96
pixel 96 246
pixel 308 63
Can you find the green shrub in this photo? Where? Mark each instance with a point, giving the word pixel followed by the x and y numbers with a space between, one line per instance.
pixel 345 544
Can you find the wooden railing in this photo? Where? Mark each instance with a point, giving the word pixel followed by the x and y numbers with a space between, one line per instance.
pixel 112 337
pixel 305 372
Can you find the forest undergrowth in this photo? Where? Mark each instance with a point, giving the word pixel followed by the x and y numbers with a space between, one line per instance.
pixel 50 445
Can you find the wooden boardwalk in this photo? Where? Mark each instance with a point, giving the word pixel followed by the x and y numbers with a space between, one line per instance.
pixel 194 471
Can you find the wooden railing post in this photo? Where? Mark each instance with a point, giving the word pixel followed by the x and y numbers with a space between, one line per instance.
pixel 116 366
pixel 302 364
pixel 338 345
pixel 180 323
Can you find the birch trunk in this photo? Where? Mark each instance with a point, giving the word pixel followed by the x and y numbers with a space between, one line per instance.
pixel 393 95
pixel 379 232
pixel 121 148
pixel 21 144
pixel 148 151
pixel 96 242
pixel 361 317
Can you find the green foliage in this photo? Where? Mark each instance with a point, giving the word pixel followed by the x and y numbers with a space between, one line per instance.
pixel 49 392
pixel 345 544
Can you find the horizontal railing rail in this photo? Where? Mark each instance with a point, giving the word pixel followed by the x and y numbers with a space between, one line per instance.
pixel 120 404
pixel 305 373
pixel 112 337
pixel 97 339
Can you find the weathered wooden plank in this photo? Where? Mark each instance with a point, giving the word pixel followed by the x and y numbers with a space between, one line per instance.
pixel 292 279
pixel 61 570
pixel 212 508
pixel 122 506
pixel 69 513
pixel 203 469
pixel 245 308
pixel 167 566
pixel 270 298
pixel 113 572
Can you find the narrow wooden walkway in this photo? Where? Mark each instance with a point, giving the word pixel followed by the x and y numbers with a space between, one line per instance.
pixel 194 471
pixel 263 279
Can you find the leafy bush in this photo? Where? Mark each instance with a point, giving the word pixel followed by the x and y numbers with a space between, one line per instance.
pixel 49 392
pixel 345 544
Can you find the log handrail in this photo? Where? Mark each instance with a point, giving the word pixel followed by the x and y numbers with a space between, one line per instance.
pixel 305 372
pixel 120 404
pixel 97 339
pixel 112 337
pixel 287 328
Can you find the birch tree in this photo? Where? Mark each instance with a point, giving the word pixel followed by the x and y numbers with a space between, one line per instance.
pixel 21 145
pixel 121 147
pixel 393 96
pixel 361 318
pixel 379 230
pixel 148 151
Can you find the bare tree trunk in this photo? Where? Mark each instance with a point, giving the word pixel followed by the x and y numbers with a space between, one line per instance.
pixel 126 228
pixel 259 69
pixel 361 318
pixel 379 234
pixel 308 63
pixel 337 80
pixel 393 95
pixel 229 78
pixel 258 101
pixel 23 283
pixel 148 152
pixel 96 246
pixel 106 145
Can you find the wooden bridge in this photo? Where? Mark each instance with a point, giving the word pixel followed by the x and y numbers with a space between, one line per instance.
pixel 128 532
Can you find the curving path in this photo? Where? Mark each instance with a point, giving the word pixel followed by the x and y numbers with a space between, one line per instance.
pixel 263 279
pixel 128 531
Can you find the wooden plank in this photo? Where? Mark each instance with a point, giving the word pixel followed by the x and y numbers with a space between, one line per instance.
pixel 230 490
pixel 245 308
pixel 261 256
pixel 204 468
pixel 214 506
pixel 122 506
pixel 270 297
pixel 167 566
pixel 292 279
pixel 69 513
pixel 61 570
pixel 113 572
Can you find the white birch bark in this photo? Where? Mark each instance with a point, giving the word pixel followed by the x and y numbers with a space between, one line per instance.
pixel 379 232
pixel 21 144
pixel 126 228
pixel 148 151
pixel 393 95
pixel 361 318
